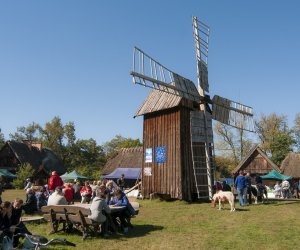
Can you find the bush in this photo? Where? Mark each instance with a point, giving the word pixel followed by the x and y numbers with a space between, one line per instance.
pixel 25 171
pixel 93 173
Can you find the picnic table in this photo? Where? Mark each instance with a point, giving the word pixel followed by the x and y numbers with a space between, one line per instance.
pixel 113 209
pixel 76 215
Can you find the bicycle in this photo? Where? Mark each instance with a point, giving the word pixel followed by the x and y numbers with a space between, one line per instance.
pixel 33 242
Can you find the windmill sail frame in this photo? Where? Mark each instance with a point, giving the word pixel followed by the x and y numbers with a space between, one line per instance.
pixel 150 73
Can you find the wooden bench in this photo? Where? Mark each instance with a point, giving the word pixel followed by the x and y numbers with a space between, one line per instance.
pixel 77 215
pixel 70 216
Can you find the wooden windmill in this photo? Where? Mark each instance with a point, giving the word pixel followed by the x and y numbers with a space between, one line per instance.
pixel 178 133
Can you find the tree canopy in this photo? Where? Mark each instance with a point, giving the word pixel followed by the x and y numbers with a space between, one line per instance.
pixel 273 135
pixel 2 139
pixel 84 155
pixel 118 142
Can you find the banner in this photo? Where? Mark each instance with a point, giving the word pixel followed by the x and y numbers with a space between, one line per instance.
pixel 148 155
pixel 160 154
pixel 147 171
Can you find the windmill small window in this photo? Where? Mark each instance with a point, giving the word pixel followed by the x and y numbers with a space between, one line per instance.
pixel 179 115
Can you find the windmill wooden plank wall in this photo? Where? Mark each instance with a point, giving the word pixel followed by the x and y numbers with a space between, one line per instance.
pixel 169 127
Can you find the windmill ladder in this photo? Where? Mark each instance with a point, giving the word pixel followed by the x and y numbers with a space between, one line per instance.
pixel 202 188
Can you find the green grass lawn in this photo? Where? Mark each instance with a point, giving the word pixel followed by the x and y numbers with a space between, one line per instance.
pixel 180 225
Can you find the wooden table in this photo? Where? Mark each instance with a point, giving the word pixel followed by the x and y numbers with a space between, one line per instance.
pixel 113 209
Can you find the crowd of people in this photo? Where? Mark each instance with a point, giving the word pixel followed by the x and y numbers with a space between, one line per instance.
pixel 243 186
pixel 100 194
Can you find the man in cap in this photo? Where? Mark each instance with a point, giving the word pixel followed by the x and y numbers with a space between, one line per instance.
pixel 28 184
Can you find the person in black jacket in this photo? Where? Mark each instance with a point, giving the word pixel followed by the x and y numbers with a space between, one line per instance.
pixel 16 222
pixel 121 182
pixel 248 187
pixel 5 219
pixel 30 205
pixel 226 187
pixel 259 185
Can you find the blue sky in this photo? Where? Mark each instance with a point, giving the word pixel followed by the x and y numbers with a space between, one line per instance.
pixel 72 58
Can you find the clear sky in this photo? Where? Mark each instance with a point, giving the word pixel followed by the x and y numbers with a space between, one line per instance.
pixel 72 58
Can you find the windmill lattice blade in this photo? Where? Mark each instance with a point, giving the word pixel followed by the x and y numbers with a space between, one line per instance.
pixel 150 73
pixel 201 38
pixel 233 113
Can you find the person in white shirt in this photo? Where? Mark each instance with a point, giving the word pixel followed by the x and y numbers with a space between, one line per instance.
pixel 57 198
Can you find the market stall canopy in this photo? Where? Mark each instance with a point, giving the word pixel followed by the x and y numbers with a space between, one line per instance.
pixel 6 173
pixel 72 176
pixel 276 176
pixel 129 173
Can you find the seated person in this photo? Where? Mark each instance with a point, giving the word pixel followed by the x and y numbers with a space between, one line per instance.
pixel 97 208
pixel 110 191
pixel 68 193
pixel 30 205
pixel 41 197
pixel 77 187
pixel 6 212
pixel 17 225
pixel 57 198
pixel 5 220
pixel 86 193
pixel 120 199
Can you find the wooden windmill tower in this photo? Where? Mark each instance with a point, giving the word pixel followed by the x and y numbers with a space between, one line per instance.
pixel 178 134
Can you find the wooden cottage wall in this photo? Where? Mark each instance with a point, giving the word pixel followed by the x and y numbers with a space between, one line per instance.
pixel 257 164
pixel 163 129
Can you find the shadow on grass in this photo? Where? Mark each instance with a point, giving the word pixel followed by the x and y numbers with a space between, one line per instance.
pixel 142 230
pixel 242 209
pixel 137 231
pixel 287 202
pixel 277 202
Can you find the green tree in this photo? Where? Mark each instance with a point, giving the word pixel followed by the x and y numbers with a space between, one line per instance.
pixel 88 171
pixel 31 133
pixel 232 142
pixel 111 147
pixel 52 136
pixel 296 130
pixel 280 147
pixel 61 139
pixel 88 153
pixel 25 171
pixel 2 139
pixel 268 127
pixel 275 136
pixel 224 166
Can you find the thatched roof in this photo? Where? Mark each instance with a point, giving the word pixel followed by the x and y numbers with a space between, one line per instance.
pixel 250 157
pixel 36 157
pixel 291 165
pixel 126 158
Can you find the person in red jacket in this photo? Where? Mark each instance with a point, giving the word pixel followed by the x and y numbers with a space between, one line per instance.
pixel 86 193
pixel 54 182
pixel 68 193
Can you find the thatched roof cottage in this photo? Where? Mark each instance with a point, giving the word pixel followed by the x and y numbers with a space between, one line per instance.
pixel 125 158
pixel 291 165
pixel 43 160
